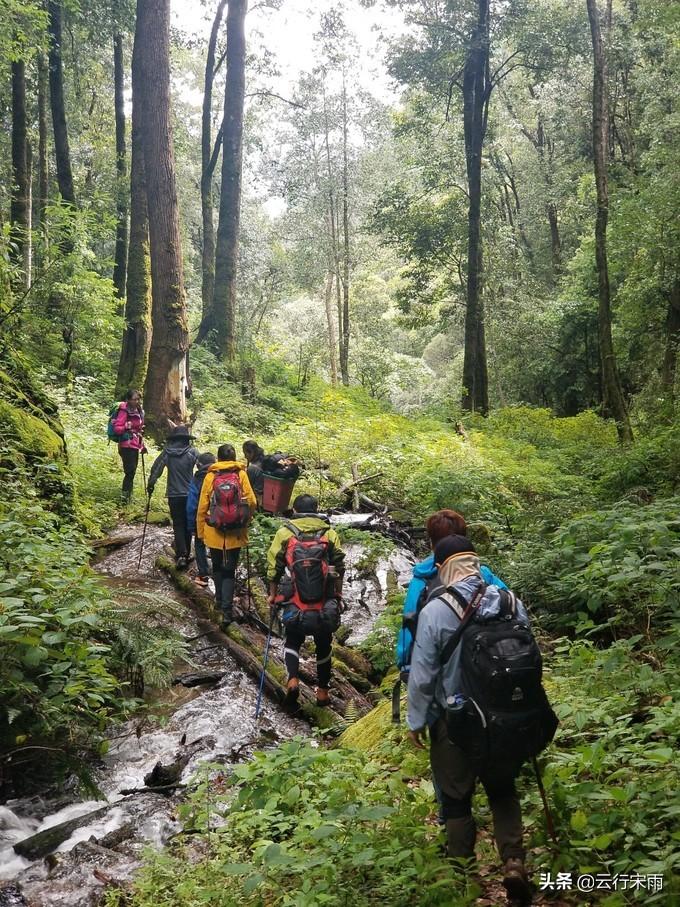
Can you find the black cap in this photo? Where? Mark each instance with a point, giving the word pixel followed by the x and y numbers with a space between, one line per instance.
pixel 451 545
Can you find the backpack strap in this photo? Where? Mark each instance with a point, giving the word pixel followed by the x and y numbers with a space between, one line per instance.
pixel 468 614
pixel 508 603
pixel 297 532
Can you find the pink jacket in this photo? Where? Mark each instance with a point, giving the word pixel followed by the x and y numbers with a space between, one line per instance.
pixel 136 426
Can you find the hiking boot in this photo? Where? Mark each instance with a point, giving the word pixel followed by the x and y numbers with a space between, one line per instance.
pixel 201 581
pixel 181 563
pixel 292 692
pixel 227 618
pixel 516 881
pixel 322 697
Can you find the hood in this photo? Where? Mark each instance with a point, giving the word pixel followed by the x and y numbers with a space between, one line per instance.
pixel 201 473
pixel 459 567
pixel 225 464
pixel 177 448
pixel 425 569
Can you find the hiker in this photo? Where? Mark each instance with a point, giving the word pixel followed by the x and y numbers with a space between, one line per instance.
pixel 225 508
pixel 254 455
pixel 437 679
pixel 310 550
pixel 127 427
pixel 179 456
pixel 202 463
pixel 423 584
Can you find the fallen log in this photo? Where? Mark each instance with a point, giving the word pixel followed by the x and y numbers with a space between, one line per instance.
pixel 115 541
pixel 197 680
pixel 43 842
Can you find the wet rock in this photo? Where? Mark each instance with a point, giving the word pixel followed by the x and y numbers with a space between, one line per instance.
pixel 43 842
pixel 11 896
pixel 197 680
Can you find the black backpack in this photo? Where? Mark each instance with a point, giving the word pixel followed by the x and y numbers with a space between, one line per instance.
pixel 504 717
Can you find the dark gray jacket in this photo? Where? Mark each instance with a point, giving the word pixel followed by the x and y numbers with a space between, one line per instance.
pixel 179 457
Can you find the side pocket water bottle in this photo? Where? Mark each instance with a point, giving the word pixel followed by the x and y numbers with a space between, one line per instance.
pixel 456 714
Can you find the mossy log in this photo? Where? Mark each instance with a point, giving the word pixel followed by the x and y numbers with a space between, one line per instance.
pixel 245 641
pixel 44 842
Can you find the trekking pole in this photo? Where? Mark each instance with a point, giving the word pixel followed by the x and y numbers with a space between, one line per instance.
pixel 146 520
pixel 264 663
pixel 546 808
pixel 144 474
pixel 250 602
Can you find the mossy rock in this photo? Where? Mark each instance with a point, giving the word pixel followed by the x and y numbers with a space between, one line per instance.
pixel 370 731
pixel 31 435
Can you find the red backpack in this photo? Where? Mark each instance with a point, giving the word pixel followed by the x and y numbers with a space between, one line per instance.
pixel 308 559
pixel 228 509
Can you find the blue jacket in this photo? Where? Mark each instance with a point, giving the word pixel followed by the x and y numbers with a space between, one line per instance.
pixel 194 495
pixel 422 574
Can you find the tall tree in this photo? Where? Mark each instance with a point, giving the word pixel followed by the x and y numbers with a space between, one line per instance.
pixel 209 157
pixel 166 378
pixel 120 259
pixel 344 340
pixel 224 300
pixel 476 92
pixel 20 189
pixel 43 170
pixel 612 394
pixel 134 355
pixel 61 144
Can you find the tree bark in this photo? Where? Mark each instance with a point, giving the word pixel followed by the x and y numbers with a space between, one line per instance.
pixel 330 321
pixel 20 190
pixel 134 355
pixel 476 89
pixel 120 261
pixel 43 169
pixel 344 342
pixel 61 146
pixel 224 299
pixel 207 169
pixel 670 359
pixel 166 377
pixel 612 394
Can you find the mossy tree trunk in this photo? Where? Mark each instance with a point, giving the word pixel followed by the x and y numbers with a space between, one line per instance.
pixel 166 378
pixel 134 356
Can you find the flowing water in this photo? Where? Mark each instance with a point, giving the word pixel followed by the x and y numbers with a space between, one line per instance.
pixel 201 725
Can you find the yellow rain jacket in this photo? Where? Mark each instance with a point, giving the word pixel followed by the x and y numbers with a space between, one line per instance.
pixel 212 537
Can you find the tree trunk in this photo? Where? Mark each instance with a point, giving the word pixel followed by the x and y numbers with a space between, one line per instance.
pixel 61 147
pixel 344 342
pixel 476 89
pixel 670 359
pixel 224 300
pixel 134 354
pixel 120 261
pixel 208 160
pixel 330 321
pixel 20 192
pixel 43 170
pixel 332 220
pixel 166 376
pixel 555 242
pixel 612 395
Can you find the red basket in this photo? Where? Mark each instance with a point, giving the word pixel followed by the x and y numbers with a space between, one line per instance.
pixel 276 494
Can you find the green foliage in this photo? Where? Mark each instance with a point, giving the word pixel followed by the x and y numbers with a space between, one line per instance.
pixel 617 566
pixel 613 776
pixel 301 825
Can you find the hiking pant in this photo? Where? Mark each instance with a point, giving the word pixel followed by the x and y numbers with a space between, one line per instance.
pixel 455 778
pixel 201 557
pixel 224 564
pixel 130 459
pixel 180 527
pixel 323 640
